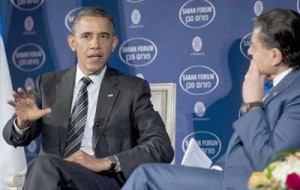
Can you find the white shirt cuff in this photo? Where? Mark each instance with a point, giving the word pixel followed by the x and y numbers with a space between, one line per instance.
pixel 20 131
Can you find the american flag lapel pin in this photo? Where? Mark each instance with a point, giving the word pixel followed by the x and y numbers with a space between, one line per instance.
pixel 110 95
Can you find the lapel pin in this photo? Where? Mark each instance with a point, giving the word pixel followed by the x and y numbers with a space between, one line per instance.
pixel 110 95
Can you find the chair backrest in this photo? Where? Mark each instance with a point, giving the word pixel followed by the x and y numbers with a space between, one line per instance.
pixel 164 101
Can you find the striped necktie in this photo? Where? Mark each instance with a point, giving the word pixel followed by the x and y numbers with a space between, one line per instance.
pixel 78 119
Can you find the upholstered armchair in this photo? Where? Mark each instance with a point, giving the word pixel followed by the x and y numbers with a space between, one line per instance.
pixel 164 101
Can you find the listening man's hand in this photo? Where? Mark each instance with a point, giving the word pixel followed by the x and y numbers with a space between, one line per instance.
pixel 253 86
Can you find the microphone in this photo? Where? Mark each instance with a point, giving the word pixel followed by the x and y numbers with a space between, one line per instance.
pixel 99 123
pixel 96 124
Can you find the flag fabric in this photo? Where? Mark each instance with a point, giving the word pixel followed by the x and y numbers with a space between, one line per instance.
pixel 11 159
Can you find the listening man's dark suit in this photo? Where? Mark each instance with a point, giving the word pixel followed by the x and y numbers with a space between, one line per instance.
pixel 125 123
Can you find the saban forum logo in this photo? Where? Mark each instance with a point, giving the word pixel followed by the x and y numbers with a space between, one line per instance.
pixel 197 46
pixel 198 80
pixel 258 8
pixel 28 23
pixel 209 142
pixel 27 5
pixel 28 26
pixel 197 13
pixel 140 75
pixel 137 52
pixel 245 44
pixel 136 19
pixel 29 57
pixel 29 82
pixel 69 19
pixel 199 109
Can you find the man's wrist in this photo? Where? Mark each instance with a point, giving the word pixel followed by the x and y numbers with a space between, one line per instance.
pixel 247 106
pixel 114 163
pixel 19 130
pixel 22 125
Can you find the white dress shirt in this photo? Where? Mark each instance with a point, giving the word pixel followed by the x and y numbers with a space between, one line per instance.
pixel 279 77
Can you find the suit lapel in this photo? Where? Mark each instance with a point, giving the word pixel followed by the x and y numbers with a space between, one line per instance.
pixel 282 85
pixel 64 95
pixel 107 96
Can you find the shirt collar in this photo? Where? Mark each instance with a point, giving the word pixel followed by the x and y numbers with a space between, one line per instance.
pixel 96 78
pixel 279 77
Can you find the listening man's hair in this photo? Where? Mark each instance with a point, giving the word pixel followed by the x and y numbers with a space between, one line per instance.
pixel 280 28
pixel 92 12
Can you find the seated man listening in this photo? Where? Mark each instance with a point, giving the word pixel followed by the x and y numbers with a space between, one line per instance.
pixel 267 124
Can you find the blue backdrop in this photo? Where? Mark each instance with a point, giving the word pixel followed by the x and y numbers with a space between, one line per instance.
pixel 200 45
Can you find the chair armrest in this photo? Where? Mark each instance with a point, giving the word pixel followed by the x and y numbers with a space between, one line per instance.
pixel 15 180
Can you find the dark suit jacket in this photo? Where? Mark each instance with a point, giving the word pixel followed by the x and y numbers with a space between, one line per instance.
pixel 261 133
pixel 125 122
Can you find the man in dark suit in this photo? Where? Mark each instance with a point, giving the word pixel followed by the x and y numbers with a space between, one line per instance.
pixel 119 128
pixel 268 124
